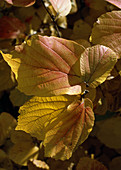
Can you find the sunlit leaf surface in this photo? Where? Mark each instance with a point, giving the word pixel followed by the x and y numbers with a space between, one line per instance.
pixel 21 3
pixel 105 25
pixel 62 122
pixel 115 2
pixel 37 164
pixel 96 63
pixel 43 66
pixel 112 41
pixel 61 6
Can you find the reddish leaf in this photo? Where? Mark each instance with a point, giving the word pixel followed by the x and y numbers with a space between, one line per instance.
pixel 21 3
pixel 11 27
pixel 43 66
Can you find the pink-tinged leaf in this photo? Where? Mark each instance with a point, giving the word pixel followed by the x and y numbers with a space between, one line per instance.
pixel 87 163
pixel 115 2
pixel 11 27
pixel 112 41
pixel 106 24
pixel 61 6
pixel 96 63
pixel 62 122
pixel 43 66
pixel 21 3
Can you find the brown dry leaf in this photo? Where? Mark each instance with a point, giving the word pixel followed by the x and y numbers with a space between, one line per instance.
pixel 94 4
pixel 18 98
pixel 7 125
pixel 5 162
pixel 31 16
pixel 81 30
pixel 115 164
pixel 87 163
pixel 7 80
pixel 23 149
pixel 109 132
pixel 37 165
pixel 6 45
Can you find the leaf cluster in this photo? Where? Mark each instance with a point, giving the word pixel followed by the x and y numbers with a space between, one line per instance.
pixel 61 78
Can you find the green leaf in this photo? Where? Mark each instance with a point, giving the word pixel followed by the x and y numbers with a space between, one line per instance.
pixel 43 66
pixel 62 122
pixel 96 63
pixel 106 24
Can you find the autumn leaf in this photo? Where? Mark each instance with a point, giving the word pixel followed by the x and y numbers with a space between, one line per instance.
pixel 115 163
pixel 105 25
pixel 87 163
pixel 109 132
pixel 7 80
pixel 115 2
pixel 43 66
pixel 62 7
pixel 37 165
pixel 112 41
pixel 7 125
pixel 11 27
pixel 96 63
pixel 5 162
pixel 21 3
pixel 23 148
pixel 62 122
pixel 18 98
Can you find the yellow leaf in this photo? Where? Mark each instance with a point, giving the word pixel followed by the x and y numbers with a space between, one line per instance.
pixel 62 122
